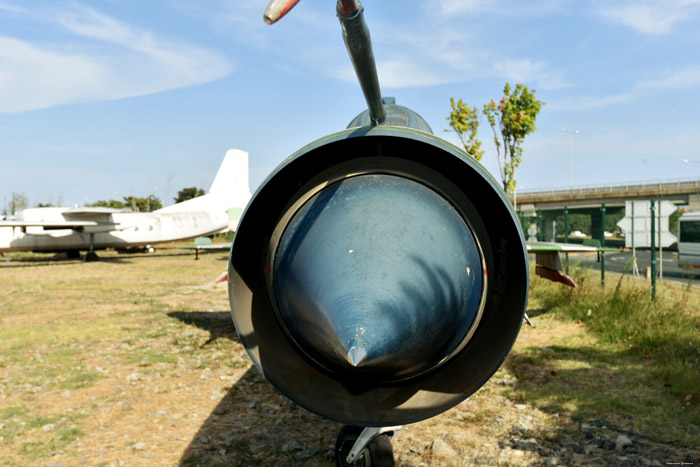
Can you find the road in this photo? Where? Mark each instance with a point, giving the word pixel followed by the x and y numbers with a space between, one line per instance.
pixel 617 262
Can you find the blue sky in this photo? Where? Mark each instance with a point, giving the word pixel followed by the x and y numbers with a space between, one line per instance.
pixel 104 99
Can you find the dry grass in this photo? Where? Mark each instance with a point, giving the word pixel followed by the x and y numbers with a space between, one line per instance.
pixel 133 360
pixel 631 358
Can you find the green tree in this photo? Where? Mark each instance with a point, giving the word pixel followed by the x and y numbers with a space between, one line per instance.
pixel 612 218
pixel 577 221
pixel 464 120
pixel 188 193
pixel 112 203
pixel 673 220
pixel 511 120
pixel 17 203
pixel 51 204
pixel 147 204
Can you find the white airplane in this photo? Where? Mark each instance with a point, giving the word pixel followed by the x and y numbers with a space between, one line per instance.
pixel 73 230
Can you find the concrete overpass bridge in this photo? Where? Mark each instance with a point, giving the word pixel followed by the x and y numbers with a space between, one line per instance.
pixel 548 204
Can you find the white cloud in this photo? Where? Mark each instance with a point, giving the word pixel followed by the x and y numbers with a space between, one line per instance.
pixel 521 10
pixel 438 58
pixel 527 71
pixel 403 73
pixel 102 59
pixel 642 18
pixel 439 51
pixel 10 7
pixel 589 102
pixel 426 56
pixel 678 79
pixel 655 17
pixel 425 53
pixel 32 78
pixel 672 81
pixel 461 7
pixel 435 48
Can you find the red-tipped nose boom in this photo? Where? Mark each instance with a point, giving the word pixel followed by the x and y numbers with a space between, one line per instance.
pixel 277 9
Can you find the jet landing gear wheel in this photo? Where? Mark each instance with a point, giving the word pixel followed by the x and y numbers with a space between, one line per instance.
pixel 91 256
pixel 377 453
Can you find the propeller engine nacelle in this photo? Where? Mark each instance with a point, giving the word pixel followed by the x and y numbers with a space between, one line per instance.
pixel 378 276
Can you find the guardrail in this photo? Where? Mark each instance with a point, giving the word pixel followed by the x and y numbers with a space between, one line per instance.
pixel 622 190
pixel 611 186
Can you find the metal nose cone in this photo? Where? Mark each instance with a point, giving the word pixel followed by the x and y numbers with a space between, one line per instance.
pixel 377 275
pixel 357 355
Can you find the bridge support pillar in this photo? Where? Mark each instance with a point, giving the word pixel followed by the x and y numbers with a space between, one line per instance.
pixel 694 202
pixel 549 219
pixel 597 227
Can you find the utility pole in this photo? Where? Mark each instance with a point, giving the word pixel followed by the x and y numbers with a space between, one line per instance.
pixel 602 244
pixel 566 234
pixel 634 248
pixel 661 246
pixel 653 251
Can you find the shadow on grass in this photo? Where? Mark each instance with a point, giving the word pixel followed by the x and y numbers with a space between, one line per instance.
pixel 592 382
pixel 35 262
pixel 45 259
pixel 253 423
pixel 217 323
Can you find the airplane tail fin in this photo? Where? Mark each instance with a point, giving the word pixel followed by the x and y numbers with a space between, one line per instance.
pixel 229 190
pixel 232 177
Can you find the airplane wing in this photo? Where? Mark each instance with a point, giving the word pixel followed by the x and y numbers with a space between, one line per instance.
pixel 210 246
pixel 548 263
pixel 91 212
pixel 75 219
pixel 540 247
pixel 206 246
pixel 54 225
pixel 213 246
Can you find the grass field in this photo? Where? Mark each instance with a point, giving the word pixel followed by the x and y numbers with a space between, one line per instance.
pixel 133 360
pixel 638 359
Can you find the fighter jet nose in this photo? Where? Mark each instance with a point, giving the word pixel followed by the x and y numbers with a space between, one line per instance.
pixel 358 276
pixel 377 275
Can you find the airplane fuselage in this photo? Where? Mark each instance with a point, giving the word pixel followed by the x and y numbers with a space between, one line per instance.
pixel 95 228
pixel 131 229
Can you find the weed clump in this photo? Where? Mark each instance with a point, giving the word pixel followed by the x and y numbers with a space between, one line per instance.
pixel 665 331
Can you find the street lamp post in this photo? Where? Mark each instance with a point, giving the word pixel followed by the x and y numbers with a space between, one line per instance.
pixel 515 193
pixel 571 134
